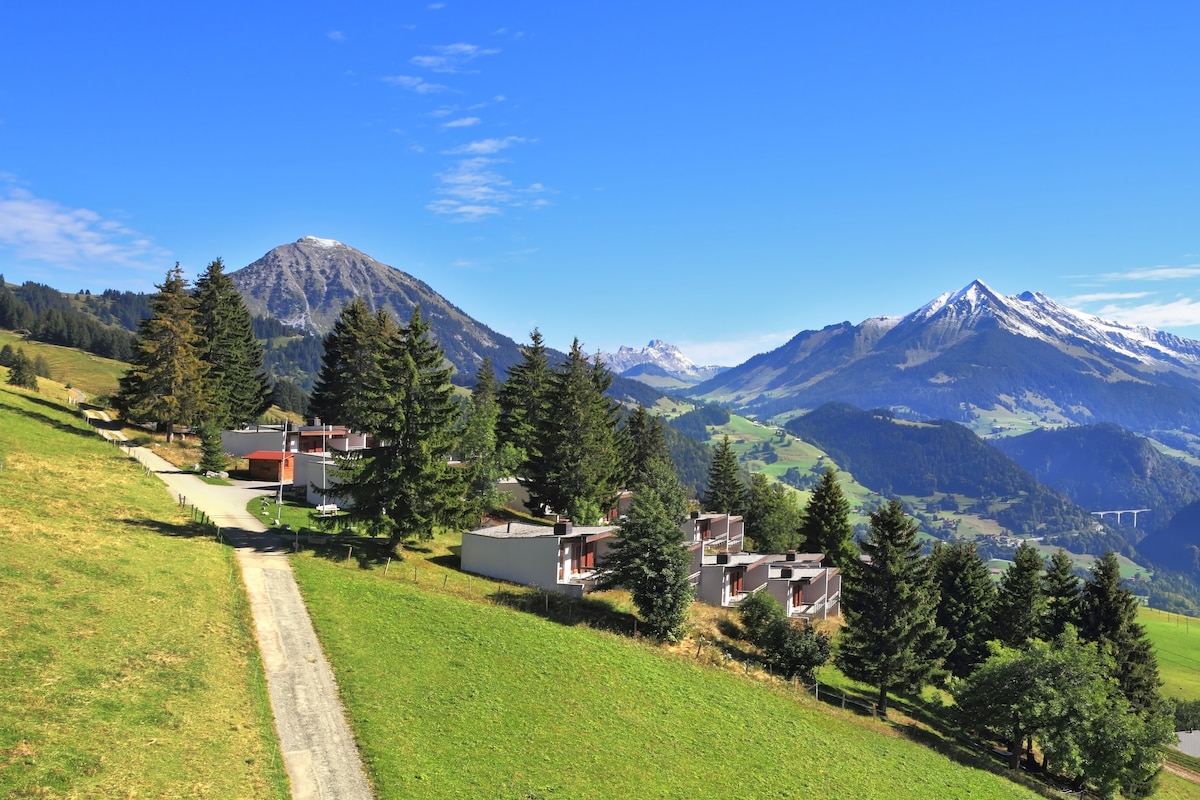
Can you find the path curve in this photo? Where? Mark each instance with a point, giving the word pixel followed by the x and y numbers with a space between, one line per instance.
pixel 322 760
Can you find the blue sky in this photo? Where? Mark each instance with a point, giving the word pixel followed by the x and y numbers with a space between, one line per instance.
pixel 718 175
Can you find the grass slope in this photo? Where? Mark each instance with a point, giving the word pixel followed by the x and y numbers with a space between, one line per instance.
pixel 1177 642
pixel 92 374
pixel 125 640
pixel 455 697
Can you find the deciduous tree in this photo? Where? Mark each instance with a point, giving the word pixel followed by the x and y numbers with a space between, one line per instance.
pixel 771 515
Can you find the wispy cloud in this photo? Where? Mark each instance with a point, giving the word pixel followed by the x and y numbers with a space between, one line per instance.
pixel 38 229
pixel 1101 297
pixel 463 122
pixel 337 36
pixel 1181 313
pixel 1154 274
pixel 415 84
pixel 475 189
pixel 451 58
pixel 731 352
pixel 486 147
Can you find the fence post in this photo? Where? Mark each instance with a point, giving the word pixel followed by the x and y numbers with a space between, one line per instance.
pixel 387 566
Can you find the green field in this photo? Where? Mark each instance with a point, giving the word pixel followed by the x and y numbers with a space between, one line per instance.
pixel 1177 641
pixel 91 374
pixel 453 695
pixel 129 660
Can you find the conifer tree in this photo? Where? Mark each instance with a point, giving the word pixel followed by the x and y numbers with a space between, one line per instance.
pixel 647 461
pixel 891 639
pixel 771 515
pixel 825 526
pixel 1060 588
pixel 574 466
pixel 649 560
pixel 404 484
pixel 1017 612
pixel 1108 616
pixel 967 594
pixel 523 398
pixel 238 388
pixel 725 493
pixel 21 373
pixel 8 356
pixel 165 380
pixel 351 378
pixel 212 455
pixel 486 461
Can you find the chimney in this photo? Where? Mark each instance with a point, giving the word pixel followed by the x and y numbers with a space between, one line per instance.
pixel 785 572
pixel 562 528
pixel 791 555
pixel 695 515
pixel 722 558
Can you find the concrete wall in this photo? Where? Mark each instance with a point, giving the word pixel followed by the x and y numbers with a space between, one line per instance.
pixel 528 560
pixel 240 444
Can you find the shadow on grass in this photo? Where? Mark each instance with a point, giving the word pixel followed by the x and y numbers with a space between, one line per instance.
pixel 188 530
pixel 45 419
pixel 369 553
pixel 565 610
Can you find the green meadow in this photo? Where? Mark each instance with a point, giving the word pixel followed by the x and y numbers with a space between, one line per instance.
pixel 1177 642
pixel 91 374
pixel 126 643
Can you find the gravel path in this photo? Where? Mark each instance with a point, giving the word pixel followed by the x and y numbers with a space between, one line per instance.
pixel 318 749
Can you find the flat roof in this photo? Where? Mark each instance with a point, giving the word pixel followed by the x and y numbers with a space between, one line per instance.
pixel 527 531
pixel 269 455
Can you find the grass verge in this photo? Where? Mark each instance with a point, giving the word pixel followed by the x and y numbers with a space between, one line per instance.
pixel 131 666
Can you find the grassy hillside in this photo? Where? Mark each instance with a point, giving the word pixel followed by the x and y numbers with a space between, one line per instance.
pixel 456 696
pixel 1177 642
pixel 91 374
pixel 130 665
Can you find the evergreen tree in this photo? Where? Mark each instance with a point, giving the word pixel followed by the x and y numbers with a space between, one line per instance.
pixel 649 560
pixel 891 639
pixel 967 594
pixel 647 461
pixel 165 380
pixel 8 356
pixel 574 466
pixel 523 398
pixel 22 373
pixel 212 456
pixel 1017 612
pixel 238 388
pixel 41 367
pixel 486 461
pixel 351 379
pixel 1060 588
pixel 1108 616
pixel 771 515
pixel 404 485
pixel 725 492
pixel 825 526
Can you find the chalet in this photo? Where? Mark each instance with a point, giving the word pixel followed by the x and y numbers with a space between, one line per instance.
pixel 561 558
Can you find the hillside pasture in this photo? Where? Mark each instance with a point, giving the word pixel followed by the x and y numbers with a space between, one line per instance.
pixel 89 373
pixel 454 696
pixel 130 662
pixel 1177 643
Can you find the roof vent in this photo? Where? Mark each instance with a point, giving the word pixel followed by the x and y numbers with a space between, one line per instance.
pixel 562 528
pixel 785 572
pixel 791 555
pixel 722 558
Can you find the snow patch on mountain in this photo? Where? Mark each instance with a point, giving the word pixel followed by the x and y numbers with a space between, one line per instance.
pixel 666 356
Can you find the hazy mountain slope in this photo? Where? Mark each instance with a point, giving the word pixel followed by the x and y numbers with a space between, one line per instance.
pixel 1103 467
pixel 974 350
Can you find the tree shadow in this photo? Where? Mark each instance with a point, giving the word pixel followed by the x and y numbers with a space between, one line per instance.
pixel 565 610
pixel 45 419
pixel 187 530
pixel 368 553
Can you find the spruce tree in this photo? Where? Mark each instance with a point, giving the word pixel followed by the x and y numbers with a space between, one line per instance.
pixel 825 526
pixel 8 356
pixel 771 515
pixel 212 455
pixel 404 485
pixel 238 388
pixel 725 493
pixel 350 381
pixel 574 466
pixel 891 639
pixel 1060 588
pixel 165 380
pixel 650 562
pixel 21 373
pixel 1017 612
pixel 967 594
pixel 485 460
pixel 523 398
pixel 1108 616
pixel 647 461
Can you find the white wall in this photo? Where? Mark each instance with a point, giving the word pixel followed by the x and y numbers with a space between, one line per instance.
pixel 527 560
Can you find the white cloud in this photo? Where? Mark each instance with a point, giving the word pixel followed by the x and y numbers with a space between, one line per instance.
pixel 486 147
pixel 731 352
pixel 1154 274
pixel 337 36
pixel 451 58
pixel 1100 297
pixel 463 122
pixel 414 84
pixel 474 189
pixel 1181 313
pixel 43 230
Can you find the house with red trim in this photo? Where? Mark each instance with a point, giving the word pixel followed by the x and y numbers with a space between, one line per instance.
pixel 800 583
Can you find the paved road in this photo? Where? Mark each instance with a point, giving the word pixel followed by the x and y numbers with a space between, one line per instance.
pixel 318 749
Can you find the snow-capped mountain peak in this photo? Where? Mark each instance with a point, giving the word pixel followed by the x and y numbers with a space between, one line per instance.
pixel 658 357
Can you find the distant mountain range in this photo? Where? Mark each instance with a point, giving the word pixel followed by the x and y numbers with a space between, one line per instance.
pixel 659 364
pixel 971 355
